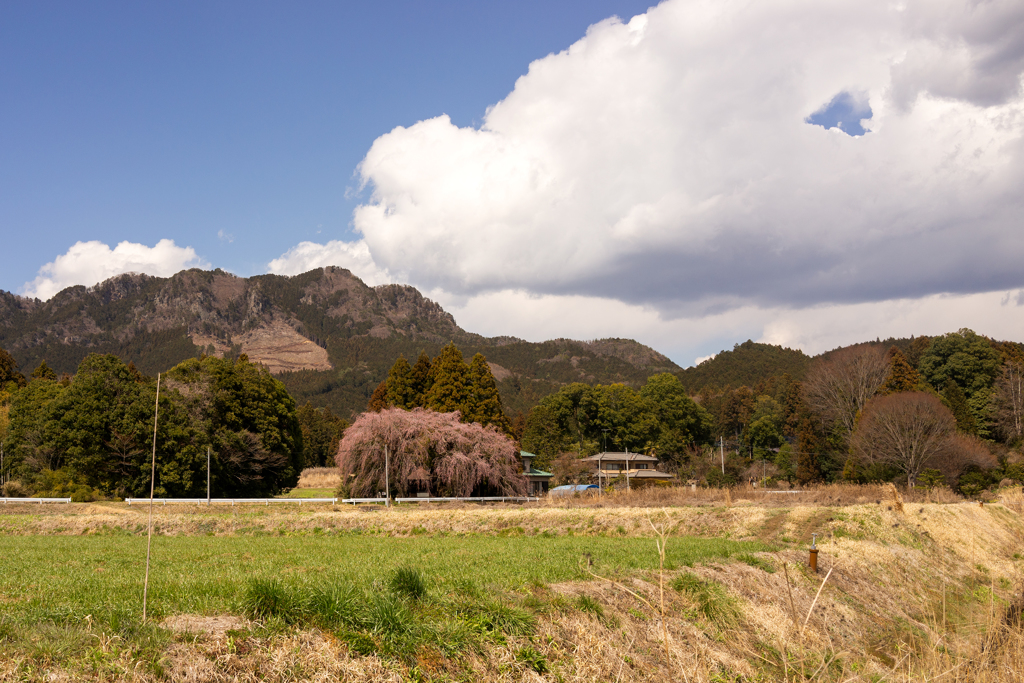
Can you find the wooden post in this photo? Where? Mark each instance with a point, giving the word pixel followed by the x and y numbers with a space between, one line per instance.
pixel 152 484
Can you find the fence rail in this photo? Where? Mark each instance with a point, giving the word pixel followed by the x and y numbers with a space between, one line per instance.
pixel 483 499
pixel 231 501
pixel 35 500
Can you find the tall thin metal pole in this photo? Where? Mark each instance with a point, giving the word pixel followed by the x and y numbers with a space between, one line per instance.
pixel 627 468
pixel 152 484
pixel 207 476
pixel 721 445
pixel 387 479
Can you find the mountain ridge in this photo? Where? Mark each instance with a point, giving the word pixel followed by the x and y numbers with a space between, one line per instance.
pixel 325 333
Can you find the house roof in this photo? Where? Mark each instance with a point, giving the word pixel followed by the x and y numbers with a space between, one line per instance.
pixel 621 457
pixel 534 472
pixel 526 454
pixel 651 474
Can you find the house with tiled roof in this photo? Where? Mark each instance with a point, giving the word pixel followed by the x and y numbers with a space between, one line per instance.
pixel 635 467
pixel 539 480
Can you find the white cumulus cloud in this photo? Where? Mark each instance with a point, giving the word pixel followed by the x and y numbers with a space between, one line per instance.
pixel 662 174
pixel 355 256
pixel 668 161
pixel 87 263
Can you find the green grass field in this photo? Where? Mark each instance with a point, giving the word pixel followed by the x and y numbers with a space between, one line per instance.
pixel 61 595
pixel 65 575
pixel 311 493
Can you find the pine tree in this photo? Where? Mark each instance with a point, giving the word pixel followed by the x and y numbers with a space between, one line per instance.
pixel 44 372
pixel 399 382
pixel 954 398
pixel 902 375
pixel 379 398
pixel 808 468
pixel 484 405
pixel 9 370
pixel 422 377
pixel 450 390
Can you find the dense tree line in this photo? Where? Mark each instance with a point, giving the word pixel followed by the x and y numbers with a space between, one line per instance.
pixel 583 419
pixel 946 409
pixel 444 384
pixel 91 433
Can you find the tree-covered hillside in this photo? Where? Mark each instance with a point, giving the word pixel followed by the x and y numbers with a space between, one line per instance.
pixel 746 364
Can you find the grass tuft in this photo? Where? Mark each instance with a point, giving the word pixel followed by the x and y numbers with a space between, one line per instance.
pixel 269 599
pixel 408 581
pixel 757 562
pixel 713 602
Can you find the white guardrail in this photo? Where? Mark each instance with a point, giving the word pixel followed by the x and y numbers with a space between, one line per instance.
pixel 35 500
pixel 300 501
pixel 231 501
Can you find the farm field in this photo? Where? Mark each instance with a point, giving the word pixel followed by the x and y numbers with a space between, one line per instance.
pixel 495 593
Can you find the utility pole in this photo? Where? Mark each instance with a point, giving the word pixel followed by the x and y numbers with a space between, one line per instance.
pixel 627 468
pixel 207 476
pixel 600 462
pixel 387 478
pixel 721 446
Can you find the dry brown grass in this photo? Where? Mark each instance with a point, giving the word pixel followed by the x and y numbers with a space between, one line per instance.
pixel 319 478
pixel 815 495
pixel 919 594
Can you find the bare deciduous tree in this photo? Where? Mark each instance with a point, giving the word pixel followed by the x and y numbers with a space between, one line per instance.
pixel 961 451
pixel 1008 400
pixel 908 431
pixel 838 387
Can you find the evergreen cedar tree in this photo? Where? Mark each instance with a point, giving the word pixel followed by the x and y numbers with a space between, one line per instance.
pixel 427 452
pixel 322 431
pixel 902 375
pixel 9 371
pixel 446 384
pixel 43 372
pixel 96 430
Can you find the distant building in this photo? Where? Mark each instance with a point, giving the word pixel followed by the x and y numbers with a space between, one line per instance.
pixel 635 466
pixel 538 479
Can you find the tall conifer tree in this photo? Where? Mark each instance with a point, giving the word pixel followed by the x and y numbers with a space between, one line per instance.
pixel 450 390
pixel 379 398
pixel 484 405
pixel 422 378
pixel 954 398
pixel 401 393
pixel 902 375
pixel 808 468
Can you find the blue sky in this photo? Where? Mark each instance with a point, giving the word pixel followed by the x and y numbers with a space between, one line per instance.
pixel 142 121
pixel 690 175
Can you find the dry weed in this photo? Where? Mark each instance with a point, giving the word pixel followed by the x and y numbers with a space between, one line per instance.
pixel 319 478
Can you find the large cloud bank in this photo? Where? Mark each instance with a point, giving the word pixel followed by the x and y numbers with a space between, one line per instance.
pixel 87 263
pixel 668 163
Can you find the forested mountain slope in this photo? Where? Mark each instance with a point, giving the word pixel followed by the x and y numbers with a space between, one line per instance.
pixel 329 337
pixel 746 365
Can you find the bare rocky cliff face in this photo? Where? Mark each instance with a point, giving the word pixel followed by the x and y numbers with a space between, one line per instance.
pixel 280 321
pixel 329 336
